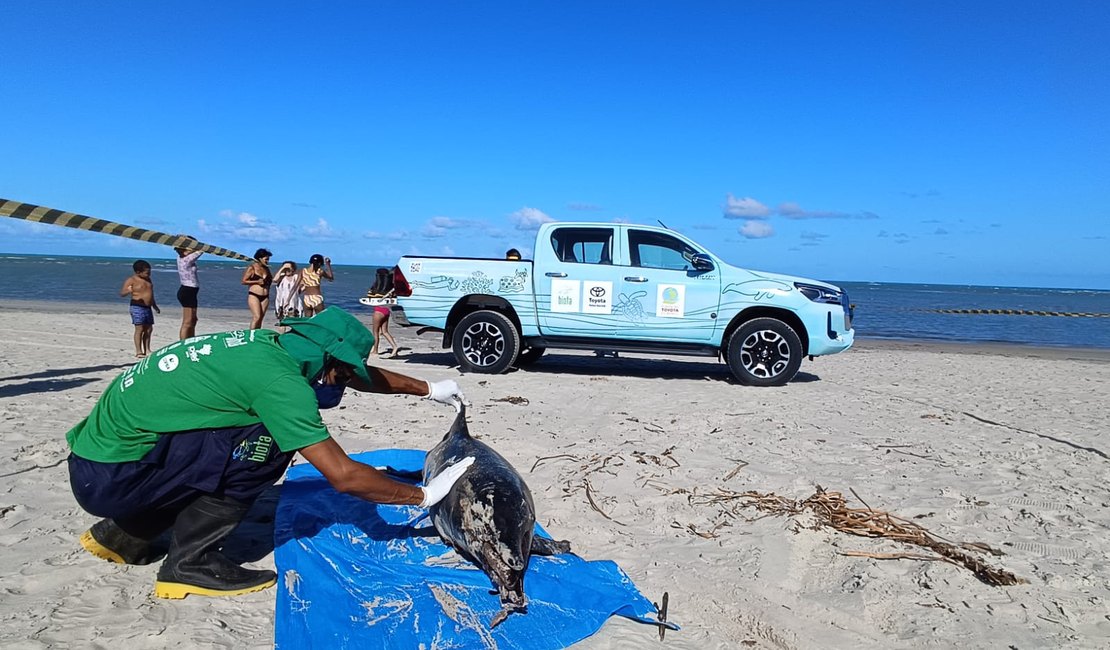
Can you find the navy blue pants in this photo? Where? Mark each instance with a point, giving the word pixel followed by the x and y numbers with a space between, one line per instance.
pixel 144 496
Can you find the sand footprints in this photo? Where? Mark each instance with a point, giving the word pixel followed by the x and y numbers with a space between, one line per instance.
pixel 1048 550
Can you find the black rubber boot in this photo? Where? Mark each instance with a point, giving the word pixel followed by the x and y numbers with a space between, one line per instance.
pixel 195 565
pixel 108 541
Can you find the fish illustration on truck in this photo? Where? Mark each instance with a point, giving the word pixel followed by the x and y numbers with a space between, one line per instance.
pixel 625 287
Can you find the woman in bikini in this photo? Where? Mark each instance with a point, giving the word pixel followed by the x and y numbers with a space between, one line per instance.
pixel 380 330
pixel 258 279
pixel 318 267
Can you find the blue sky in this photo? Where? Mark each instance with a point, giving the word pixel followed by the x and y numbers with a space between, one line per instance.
pixel 952 142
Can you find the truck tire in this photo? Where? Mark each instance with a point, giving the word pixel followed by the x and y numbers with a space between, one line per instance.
pixel 764 352
pixel 528 356
pixel 485 341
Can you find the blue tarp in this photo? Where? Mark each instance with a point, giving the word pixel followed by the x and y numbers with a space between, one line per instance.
pixel 352 574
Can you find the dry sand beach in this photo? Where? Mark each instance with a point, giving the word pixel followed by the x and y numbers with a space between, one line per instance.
pixel 641 460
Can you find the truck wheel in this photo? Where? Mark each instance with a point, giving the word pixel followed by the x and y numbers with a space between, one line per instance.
pixel 764 352
pixel 486 341
pixel 529 356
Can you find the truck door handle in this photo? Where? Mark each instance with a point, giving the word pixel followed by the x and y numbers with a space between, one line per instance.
pixel 635 278
pixel 555 274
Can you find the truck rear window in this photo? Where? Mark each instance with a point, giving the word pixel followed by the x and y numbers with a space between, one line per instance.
pixel 583 245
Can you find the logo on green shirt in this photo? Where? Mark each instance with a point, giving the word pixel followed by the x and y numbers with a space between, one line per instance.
pixel 255 451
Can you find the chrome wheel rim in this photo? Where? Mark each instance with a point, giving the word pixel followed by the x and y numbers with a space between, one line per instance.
pixel 765 354
pixel 483 344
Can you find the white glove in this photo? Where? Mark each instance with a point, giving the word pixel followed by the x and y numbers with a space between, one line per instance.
pixel 446 392
pixel 438 487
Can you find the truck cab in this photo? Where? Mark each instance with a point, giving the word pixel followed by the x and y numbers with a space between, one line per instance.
pixel 625 287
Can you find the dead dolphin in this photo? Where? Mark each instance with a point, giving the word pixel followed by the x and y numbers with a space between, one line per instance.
pixel 488 516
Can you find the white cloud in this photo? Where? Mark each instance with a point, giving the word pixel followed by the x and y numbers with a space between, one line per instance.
pixel 245 226
pixel 439 226
pixel 792 210
pixel 432 231
pixel 245 218
pixel 322 230
pixel 529 218
pixel 446 222
pixel 745 208
pixel 756 230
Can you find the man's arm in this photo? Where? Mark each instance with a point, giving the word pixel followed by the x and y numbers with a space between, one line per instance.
pixel 383 381
pixel 386 381
pixel 358 479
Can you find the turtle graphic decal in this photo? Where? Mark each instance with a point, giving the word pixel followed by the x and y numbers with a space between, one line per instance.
pixel 630 307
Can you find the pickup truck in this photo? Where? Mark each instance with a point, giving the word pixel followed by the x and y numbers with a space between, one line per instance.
pixel 622 288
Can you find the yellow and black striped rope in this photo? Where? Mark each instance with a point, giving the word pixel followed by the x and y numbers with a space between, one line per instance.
pixel 40 214
pixel 1021 312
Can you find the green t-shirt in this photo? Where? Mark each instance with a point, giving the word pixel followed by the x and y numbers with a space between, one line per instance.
pixel 215 381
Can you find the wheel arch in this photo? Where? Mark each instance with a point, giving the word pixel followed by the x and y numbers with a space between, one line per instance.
pixel 477 302
pixel 784 315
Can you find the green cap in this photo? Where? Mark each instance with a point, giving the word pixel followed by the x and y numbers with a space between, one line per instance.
pixel 333 332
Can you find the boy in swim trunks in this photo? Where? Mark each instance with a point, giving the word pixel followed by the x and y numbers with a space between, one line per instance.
pixel 141 289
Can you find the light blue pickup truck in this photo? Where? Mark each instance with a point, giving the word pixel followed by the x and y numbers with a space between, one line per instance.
pixel 627 288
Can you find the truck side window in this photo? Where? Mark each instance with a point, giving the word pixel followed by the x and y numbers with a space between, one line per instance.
pixel 583 245
pixel 659 251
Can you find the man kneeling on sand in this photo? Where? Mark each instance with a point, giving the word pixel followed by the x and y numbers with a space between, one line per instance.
pixel 188 438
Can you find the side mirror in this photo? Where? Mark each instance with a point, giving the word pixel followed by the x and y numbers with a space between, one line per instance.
pixel 702 262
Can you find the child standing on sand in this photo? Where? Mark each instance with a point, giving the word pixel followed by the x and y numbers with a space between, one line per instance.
pixel 141 289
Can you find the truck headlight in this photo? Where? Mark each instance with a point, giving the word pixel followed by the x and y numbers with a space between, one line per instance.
pixel 819 294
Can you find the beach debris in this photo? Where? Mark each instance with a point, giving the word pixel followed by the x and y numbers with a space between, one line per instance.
pixel 662 609
pixel 1073 445
pixel 665 459
pixel 739 466
pixel 593 504
pixel 597 463
pixel 33 468
pixel 511 399
pixel 830 509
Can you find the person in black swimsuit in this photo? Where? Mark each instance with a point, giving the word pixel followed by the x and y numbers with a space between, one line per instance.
pixel 258 279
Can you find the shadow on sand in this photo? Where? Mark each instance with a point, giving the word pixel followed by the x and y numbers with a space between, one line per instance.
pixel 623 366
pixel 45 386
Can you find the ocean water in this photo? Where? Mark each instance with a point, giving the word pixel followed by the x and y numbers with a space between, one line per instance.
pixel 99 279
pixel 902 311
pixel 882 310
